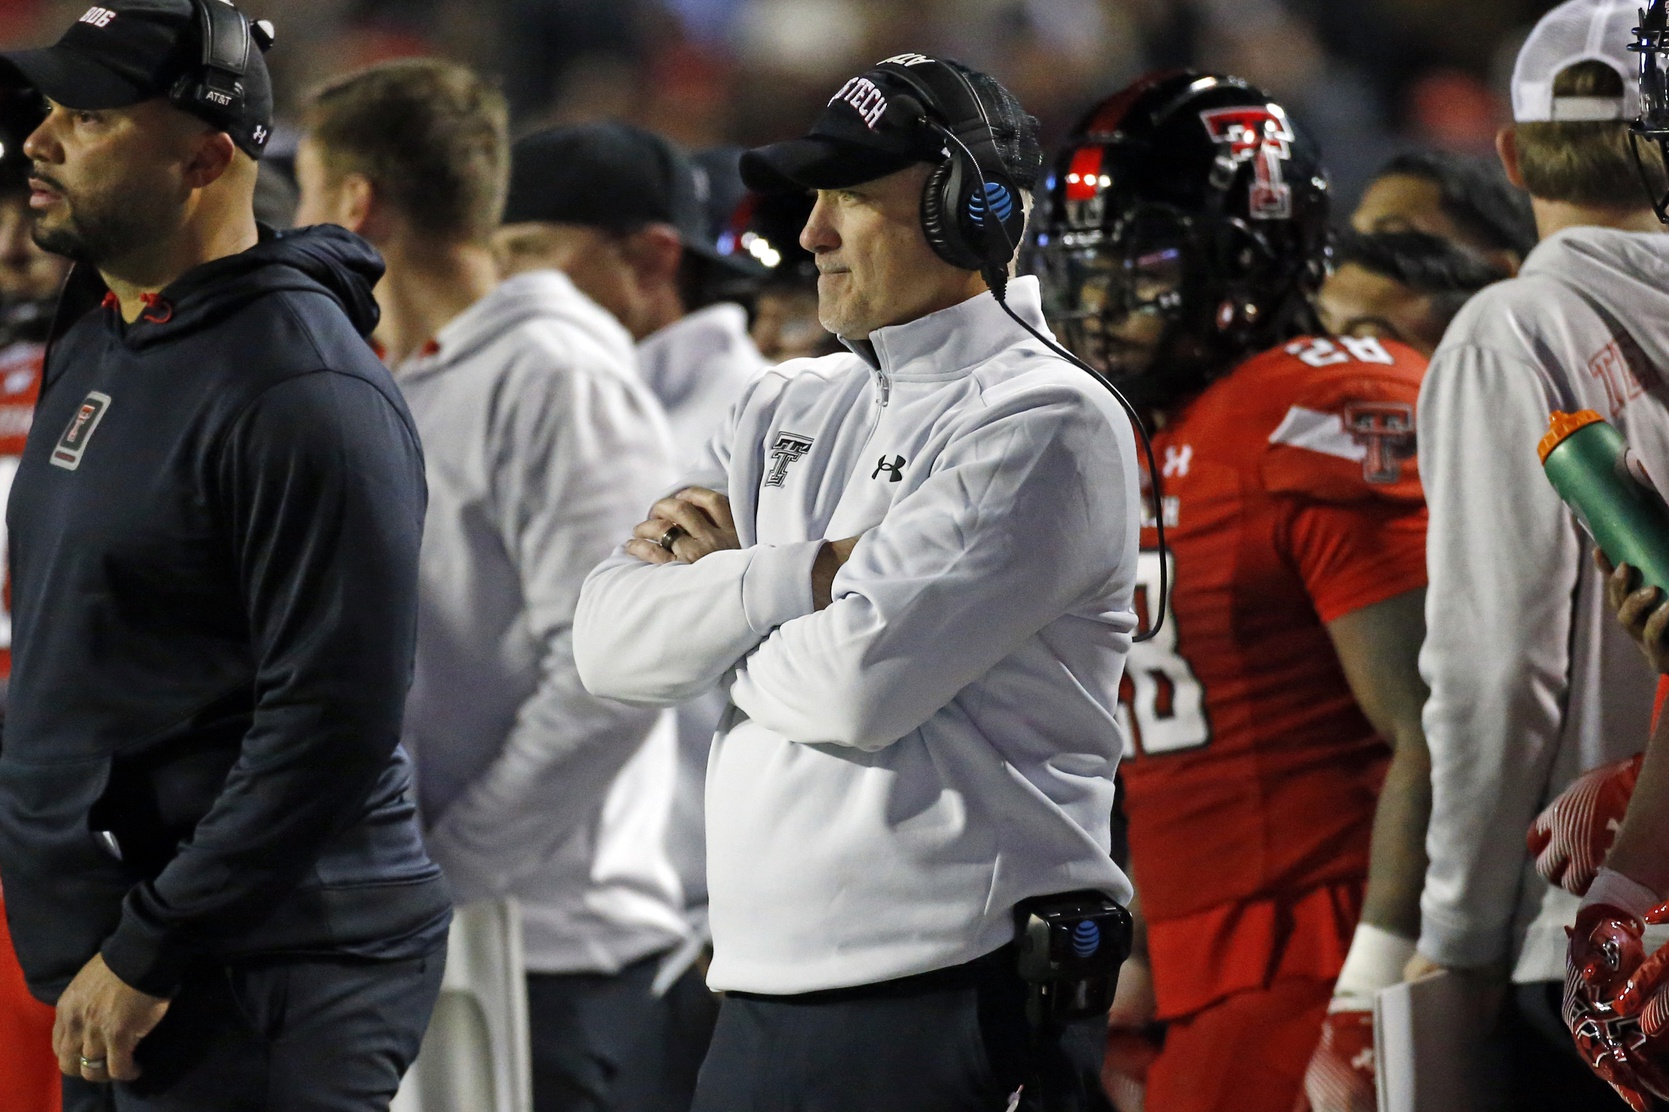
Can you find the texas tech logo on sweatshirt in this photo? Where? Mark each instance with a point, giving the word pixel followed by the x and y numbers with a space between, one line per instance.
pixel 72 445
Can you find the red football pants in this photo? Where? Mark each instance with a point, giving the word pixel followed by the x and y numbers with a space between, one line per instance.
pixel 1246 1053
pixel 29 1078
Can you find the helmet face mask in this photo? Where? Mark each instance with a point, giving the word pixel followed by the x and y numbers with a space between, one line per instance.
pixel 1651 42
pixel 1182 229
pixel 1117 295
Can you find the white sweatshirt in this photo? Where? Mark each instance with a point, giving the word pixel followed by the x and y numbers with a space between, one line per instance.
pixel 904 766
pixel 1532 681
pixel 542 449
pixel 697 367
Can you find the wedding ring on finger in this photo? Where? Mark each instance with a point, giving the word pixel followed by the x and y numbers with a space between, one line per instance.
pixel 92 1063
pixel 670 537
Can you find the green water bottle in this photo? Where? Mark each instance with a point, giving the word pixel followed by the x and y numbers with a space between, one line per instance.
pixel 1607 488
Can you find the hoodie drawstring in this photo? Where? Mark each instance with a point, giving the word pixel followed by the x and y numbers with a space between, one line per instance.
pixel 157 311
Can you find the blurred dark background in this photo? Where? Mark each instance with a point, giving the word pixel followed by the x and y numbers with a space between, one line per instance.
pixel 1368 77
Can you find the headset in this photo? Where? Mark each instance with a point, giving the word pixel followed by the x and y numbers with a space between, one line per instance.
pixel 214 89
pixel 961 197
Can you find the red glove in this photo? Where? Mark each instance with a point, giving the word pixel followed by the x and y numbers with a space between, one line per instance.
pixel 1617 1002
pixel 1572 836
pixel 1340 1077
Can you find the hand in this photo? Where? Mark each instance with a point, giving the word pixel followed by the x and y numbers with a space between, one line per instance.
pixel 1641 612
pixel 830 559
pixel 1572 836
pixel 1124 1069
pixel 1340 1076
pixel 100 1020
pixel 1134 1003
pixel 698 521
pixel 1616 1005
pixel 1419 966
pixel 1132 1045
pixel 1488 984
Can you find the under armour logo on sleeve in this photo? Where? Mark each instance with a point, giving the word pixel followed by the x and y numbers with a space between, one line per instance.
pixel 894 469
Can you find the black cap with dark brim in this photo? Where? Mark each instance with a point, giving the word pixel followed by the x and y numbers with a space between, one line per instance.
pixel 874 125
pixel 130 51
pixel 818 162
pixel 74 80
pixel 614 176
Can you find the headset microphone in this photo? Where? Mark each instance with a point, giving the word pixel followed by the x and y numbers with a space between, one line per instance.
pixel 994 269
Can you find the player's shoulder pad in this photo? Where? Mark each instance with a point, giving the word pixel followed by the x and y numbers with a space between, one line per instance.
pixel 1346 432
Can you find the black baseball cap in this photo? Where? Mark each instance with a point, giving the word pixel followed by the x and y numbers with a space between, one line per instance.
pixel 872 127
pixel 613 176
pixel 126 51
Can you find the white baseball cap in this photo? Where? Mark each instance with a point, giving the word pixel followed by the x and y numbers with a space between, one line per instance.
pixel 1577 31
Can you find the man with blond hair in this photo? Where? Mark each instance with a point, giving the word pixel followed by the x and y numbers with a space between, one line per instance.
pixel 1532 683
pixel 541 445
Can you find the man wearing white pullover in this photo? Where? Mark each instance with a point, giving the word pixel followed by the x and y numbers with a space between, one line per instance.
pixel 912 568
pixel 1531 681
pixel 616 208
pixel 540 443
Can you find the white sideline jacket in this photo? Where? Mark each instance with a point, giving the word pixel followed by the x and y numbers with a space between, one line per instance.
pixel 1532 680
pixel 698 366
pixel 901 768
pixel 542 449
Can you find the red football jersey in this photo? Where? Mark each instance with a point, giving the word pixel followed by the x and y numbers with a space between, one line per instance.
pixel 1291 497
pixel 20 385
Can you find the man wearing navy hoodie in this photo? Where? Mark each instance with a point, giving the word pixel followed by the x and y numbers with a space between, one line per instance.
pixel 207 838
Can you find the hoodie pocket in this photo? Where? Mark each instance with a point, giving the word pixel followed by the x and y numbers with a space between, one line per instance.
pixel 64 891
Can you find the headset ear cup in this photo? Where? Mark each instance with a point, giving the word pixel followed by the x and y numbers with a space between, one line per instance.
pixel 941 217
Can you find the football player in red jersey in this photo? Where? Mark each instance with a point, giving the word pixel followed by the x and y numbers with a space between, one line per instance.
pixel 1276 778
pixel 29 281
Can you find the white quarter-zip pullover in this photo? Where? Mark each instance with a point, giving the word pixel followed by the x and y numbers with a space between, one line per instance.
pixel 899 769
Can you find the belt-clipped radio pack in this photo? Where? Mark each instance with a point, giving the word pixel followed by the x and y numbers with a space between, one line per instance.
pixel 1070 947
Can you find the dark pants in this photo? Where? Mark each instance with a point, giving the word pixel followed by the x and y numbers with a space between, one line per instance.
pixel 279 1035
pixel 1546 1073
pixel 954 1040
pixel 607 1044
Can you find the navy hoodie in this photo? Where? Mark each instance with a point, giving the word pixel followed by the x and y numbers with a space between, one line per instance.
pixel 214 536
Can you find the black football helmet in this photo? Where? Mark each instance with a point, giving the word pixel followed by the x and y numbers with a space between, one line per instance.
pixel 1194 197
pixel 1651 42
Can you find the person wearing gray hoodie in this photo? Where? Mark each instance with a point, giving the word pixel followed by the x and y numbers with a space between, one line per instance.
pixel 1532 682
pixel 541 445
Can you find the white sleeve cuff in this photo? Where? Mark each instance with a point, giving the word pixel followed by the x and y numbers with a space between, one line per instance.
pixel 1460 945
pixel 1375 961
pixel 1612 887
pixel 776 587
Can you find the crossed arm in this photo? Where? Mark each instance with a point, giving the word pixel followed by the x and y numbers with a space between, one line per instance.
pixel 697 522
